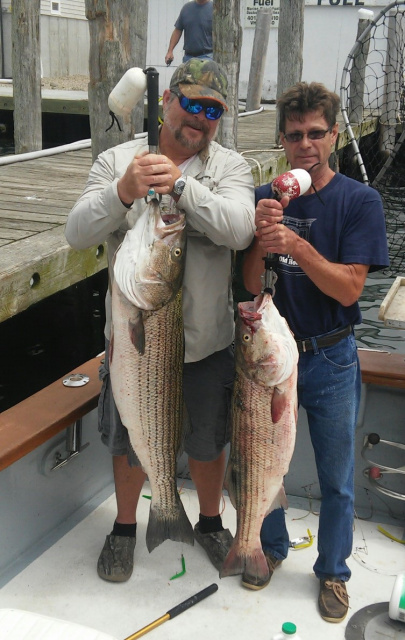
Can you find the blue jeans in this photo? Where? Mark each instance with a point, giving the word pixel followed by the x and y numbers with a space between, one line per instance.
pixel 205 56
pixel 329 388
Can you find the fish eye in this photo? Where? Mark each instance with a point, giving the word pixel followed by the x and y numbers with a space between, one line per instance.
pixel 246 337
pixel 177 252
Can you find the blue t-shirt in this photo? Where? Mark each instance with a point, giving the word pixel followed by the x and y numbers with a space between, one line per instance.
pixel 348 228
pixel 196 22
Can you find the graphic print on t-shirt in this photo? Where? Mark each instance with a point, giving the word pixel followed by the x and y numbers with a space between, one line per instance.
pixel 301 228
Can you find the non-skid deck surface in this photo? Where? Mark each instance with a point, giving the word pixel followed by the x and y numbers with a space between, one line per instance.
pixel 63 582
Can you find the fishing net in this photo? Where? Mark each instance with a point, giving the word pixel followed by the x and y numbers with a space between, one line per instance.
pixel 373 108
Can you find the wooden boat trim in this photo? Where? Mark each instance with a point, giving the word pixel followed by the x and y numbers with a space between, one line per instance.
pixel 383 368
pixel 35 420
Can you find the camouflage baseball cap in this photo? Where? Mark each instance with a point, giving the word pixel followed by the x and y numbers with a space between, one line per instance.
pixel 201 78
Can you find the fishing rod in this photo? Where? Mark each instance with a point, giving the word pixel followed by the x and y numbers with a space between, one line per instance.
pixel 175 611
pixel 292 184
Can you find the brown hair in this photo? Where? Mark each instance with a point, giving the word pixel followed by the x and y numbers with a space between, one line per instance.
pixel 302 97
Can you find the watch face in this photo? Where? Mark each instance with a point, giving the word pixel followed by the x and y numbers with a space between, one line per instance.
pixel 179 186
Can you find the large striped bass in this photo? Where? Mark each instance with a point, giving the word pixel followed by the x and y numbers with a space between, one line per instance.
pixel 264 417
pixel 146 360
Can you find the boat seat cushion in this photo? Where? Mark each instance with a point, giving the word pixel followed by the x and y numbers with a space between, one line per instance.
pixel 16 624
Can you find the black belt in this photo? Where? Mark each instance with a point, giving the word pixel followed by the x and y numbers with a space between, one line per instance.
pixel 323 341
pixel 195 55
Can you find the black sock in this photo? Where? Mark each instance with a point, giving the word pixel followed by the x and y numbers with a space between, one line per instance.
pixel 210 524
pixel 128 530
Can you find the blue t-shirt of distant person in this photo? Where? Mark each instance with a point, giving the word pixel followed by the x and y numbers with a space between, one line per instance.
pixel 347 226
pixel 195 20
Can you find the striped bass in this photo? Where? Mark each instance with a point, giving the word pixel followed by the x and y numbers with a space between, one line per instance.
pixel 146 360
pixel 264 417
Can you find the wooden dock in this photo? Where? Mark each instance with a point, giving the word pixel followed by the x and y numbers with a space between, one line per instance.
pixel 37 195
pixel 52 101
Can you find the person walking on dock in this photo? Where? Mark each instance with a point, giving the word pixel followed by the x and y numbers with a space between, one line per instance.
pixel 330 239
pixel 195 20
pixel 214 187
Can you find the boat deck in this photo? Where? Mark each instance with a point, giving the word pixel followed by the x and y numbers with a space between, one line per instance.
pixel 62 582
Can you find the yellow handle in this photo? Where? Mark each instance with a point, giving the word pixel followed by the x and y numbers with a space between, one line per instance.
pixel 149 627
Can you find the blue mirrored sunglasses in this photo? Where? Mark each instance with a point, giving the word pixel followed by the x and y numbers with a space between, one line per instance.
pixel 195 106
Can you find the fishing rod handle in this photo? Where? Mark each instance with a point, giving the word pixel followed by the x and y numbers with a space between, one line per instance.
pixel 183 606
pixel 152 83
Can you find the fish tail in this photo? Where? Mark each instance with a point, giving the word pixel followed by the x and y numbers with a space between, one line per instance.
pixel 256 568
pixel 253 565
pixel 168 526
pixel 234 562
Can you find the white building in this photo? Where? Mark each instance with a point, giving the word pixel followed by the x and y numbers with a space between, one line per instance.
pixel 64 38
pixel 330 28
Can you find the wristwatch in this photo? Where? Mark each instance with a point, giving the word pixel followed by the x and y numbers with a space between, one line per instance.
pixel 179 185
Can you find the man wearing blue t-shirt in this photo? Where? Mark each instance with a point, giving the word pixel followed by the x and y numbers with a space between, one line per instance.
pixel 330 239
pixel 195 20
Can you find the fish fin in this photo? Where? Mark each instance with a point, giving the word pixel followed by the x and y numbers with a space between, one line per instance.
pixel 283 498
pixel 136 330
pixel 174 526
pixel 111 347
pixel 278 404
pixel 279 501
pixel 230 484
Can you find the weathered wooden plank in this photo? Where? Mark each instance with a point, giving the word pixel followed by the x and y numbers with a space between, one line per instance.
pixel 25 225
pixel 31 214
pixel 13 234
pixel 33 269
pixel 56 104
pixel 39 193
pixel 53 169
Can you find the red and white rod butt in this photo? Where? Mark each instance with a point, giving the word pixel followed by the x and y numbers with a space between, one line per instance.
pixel 292 183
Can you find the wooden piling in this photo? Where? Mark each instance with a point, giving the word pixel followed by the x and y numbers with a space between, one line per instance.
pixel 290 47
pixel 259 53
pixel 26 57
pixel 356 89
pixel 227 41
pixel 118 35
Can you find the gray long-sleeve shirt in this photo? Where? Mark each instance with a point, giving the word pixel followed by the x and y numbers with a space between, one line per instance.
pixel 219 204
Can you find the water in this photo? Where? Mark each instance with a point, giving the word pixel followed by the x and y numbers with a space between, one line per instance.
pixel 372 333
pixel 51 338
pixel 57 129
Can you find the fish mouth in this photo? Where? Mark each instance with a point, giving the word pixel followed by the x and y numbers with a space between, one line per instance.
pixel 169 218
pixel 165 223
pixel 251 312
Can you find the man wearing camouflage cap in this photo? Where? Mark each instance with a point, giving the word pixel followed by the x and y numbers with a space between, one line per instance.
pixel 214 187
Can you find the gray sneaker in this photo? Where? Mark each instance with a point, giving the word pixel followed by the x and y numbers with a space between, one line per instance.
pixel 216 544
pixel 116 561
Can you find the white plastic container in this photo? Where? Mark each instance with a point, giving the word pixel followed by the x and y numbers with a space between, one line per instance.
pixel 127 92
pixel 396 609
pixel 288 631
